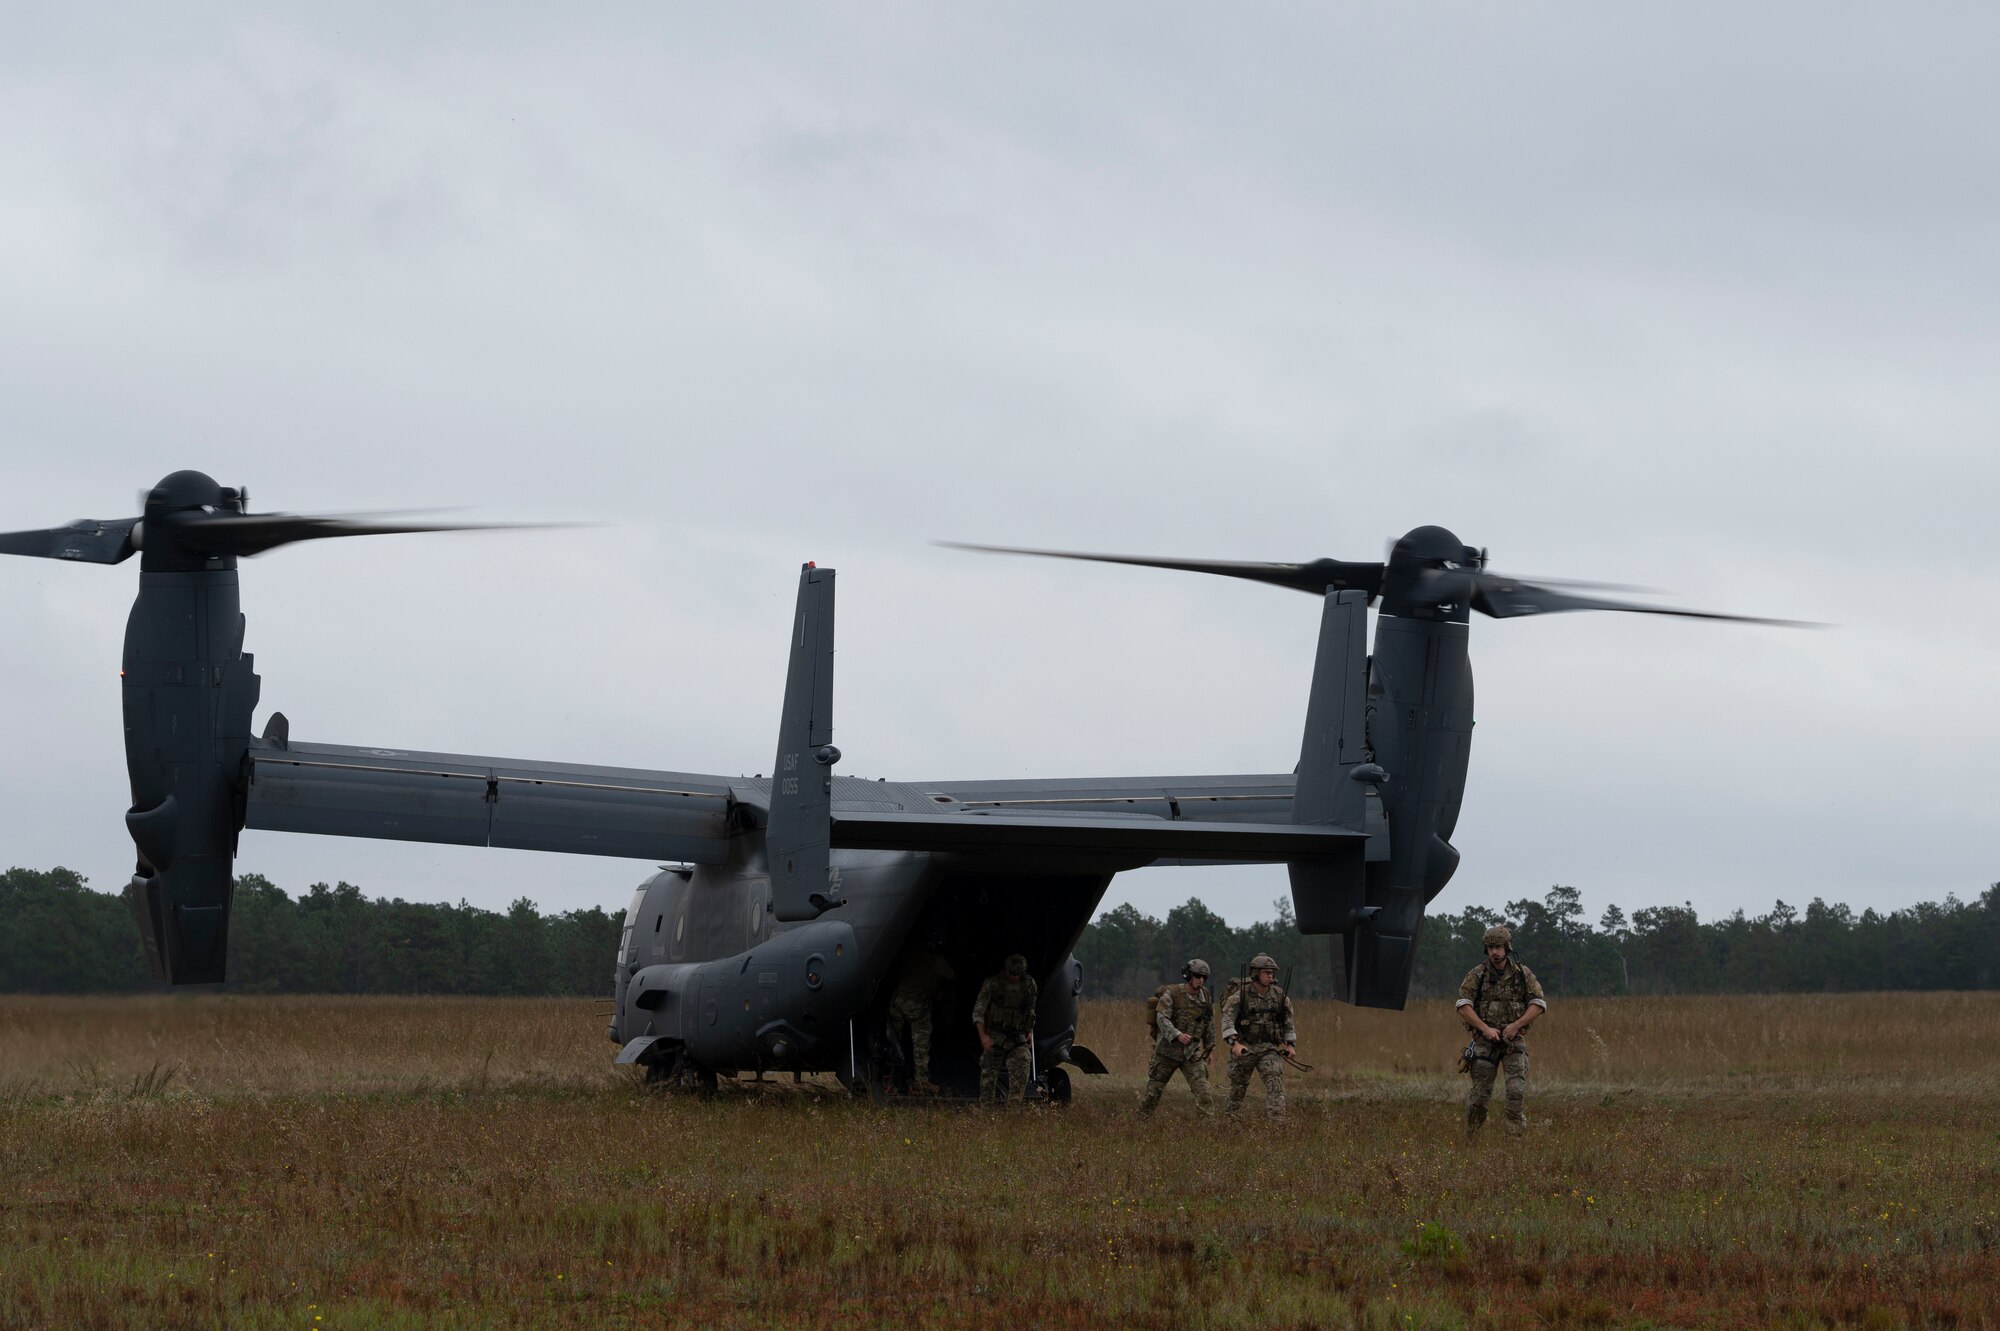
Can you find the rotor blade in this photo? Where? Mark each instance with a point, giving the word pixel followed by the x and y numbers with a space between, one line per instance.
pixel 1316 578
pixel 1580 585
pixel 1510 598
pixel 254 533
pixel 83 541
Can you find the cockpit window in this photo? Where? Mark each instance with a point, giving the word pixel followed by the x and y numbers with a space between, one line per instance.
pixel 631 919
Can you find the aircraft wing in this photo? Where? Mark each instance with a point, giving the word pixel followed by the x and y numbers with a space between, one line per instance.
pixel 1137 837
pixel 468 800
pixel 457 799
pixel 1119 822
pixel 1207 798
pixel 1263 799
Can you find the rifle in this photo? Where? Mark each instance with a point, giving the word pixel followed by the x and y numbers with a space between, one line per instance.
pixel 1289 1058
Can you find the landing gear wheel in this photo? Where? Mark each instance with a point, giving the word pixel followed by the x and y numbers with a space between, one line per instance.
pixel 1056 1082
pixel 678 1074
pixel 865 1083
pixel 691 1078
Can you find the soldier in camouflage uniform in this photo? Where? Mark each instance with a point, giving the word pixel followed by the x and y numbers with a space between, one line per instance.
pixel 1499 999
pixel 1183 1037
pixel 1257 1026
pixel 910 1007
pixel 1004 1016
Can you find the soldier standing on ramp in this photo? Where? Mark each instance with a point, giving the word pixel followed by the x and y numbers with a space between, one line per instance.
pixel 1004 1016
pixel 910 1010
pixel 1183 1038
pixel 1257 1026
pixel 1499 999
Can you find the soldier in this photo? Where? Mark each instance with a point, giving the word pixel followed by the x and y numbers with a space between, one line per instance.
pixel 1257 1027
pixel 1499 999
pixel 910 1010
pixel 1183 1038
pixel 1004 1016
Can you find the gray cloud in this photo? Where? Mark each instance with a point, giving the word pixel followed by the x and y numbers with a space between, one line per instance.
pixel 1698 298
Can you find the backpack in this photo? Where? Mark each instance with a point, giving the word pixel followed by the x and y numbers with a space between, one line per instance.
pixel 1153 1015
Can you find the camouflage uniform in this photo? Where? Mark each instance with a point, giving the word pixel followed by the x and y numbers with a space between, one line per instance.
pixel 1006 1008
pixel 910 1009
pixel 1263 1022
pixel 1499 998
pixel 1182 1010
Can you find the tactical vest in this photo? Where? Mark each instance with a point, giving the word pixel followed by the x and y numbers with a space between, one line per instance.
pixel 1503 999
pixel 1010 1008
pixel 1186 1013
pixel 1260 1018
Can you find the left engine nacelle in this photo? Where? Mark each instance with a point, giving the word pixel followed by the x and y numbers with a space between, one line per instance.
pixel 189 691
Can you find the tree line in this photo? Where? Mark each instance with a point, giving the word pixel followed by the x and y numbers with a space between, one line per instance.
pixel 58 936
pixel 1951 944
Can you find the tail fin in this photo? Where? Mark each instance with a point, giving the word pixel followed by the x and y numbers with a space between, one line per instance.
pixel 1330 893
pixel 1328 890
pixel 797 834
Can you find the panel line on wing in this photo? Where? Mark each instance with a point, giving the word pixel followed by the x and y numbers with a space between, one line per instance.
pixel 481 776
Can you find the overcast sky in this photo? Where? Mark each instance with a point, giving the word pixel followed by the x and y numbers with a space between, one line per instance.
pixel 1699 297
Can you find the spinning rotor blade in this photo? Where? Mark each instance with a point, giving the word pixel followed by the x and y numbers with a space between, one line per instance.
pixel 1315 578
pixel 254 533
pixel 1431 568
pixel 83 541
pixel 1507 598
pixel 190 519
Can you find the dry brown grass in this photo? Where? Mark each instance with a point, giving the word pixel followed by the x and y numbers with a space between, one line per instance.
pixel 398 1162
pixel 1881 1042
pixel 233 1046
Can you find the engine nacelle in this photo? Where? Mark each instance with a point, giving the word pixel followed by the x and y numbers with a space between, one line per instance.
pixel 189 692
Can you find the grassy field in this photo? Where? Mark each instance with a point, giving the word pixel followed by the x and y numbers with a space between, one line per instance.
pixel 316 1163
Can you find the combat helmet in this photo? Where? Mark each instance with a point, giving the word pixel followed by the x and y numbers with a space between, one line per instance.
pixel 1016 964
pixel 1195 966
pixel 1498 934
pixel 1263 961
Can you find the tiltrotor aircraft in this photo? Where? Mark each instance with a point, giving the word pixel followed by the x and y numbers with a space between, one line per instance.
pixel 791 902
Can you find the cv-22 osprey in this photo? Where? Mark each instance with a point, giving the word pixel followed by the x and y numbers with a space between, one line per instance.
pixel 791 902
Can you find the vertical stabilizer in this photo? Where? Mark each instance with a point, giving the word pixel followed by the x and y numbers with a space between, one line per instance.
pixel 1331 790
pixel 797 833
